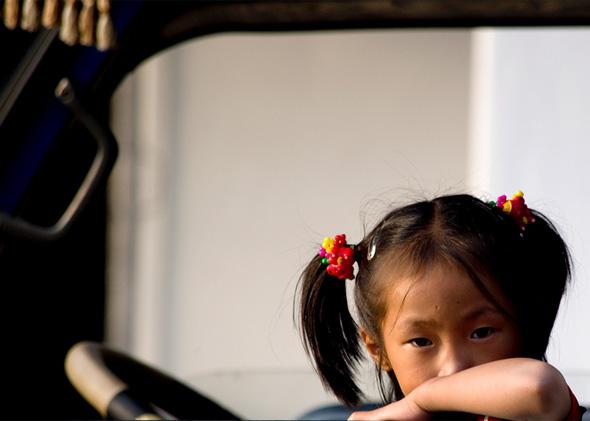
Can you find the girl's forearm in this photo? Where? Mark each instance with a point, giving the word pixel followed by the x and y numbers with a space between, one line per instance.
pixel 516 388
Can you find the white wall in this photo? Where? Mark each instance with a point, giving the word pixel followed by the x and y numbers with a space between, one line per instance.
pixel 245 151
pixel 240 152
pixel 530 130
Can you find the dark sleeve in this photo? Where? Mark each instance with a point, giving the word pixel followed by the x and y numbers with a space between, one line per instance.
pixel 576 410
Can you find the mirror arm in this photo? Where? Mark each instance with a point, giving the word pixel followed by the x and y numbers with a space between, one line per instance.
pixel 106 152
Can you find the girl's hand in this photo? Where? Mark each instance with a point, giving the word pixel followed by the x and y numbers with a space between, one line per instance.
pixel 403 410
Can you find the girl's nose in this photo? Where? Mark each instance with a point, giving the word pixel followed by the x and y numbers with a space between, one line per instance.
pixel 453 361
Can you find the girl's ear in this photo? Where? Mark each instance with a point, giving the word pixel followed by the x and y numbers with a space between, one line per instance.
pixel 375 351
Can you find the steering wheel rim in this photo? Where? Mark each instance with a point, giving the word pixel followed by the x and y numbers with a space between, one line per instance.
pixel 120 387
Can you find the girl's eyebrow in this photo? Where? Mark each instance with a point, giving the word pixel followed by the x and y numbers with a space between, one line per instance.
pixel 412 323
pixel 416 322
pixel 482 311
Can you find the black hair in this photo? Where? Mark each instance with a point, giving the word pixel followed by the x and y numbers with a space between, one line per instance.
pixel 531 268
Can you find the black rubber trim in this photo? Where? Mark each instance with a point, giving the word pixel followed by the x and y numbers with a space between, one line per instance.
pixel 127 405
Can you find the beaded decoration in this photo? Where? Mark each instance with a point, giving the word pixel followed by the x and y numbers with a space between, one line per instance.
pixel 516 208
pixel 338 256
pixel 77 20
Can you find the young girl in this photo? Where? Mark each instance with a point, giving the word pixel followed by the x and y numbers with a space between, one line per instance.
pixel 456 299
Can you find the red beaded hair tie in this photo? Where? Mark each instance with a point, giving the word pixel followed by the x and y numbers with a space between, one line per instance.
pixel 339 256
pixel 516 208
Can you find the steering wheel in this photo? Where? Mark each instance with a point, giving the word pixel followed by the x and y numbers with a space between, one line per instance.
pixel 120 387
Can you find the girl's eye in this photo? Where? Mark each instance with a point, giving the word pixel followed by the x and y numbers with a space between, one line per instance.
pixel 420 342
pixel 482 332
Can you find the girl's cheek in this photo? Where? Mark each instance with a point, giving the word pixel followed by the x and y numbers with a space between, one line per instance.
pixel 412 368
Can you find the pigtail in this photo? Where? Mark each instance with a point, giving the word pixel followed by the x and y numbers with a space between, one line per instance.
pixel 544 241
pixel 546 270
pixel 330 335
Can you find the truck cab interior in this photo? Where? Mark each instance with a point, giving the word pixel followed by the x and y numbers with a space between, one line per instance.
pixel 57 150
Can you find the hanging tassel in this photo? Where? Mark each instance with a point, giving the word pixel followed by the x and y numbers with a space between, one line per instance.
pixel 68 31
pixel 86 23
pixel 30 16
pixel 105 31
pixel 50 13
pixel 11 13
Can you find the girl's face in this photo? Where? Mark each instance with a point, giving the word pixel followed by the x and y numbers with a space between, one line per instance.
pixel 440 323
